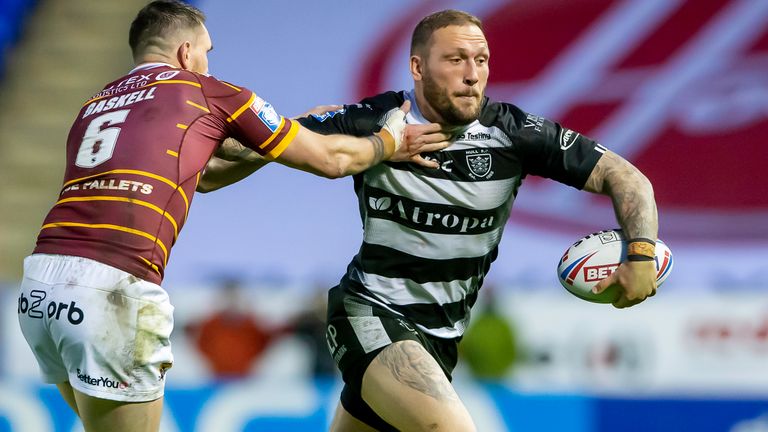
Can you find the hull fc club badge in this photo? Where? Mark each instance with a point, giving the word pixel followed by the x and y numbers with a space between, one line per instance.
pixel 480 164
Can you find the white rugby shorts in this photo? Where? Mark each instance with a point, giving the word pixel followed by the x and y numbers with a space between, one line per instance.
pixel 101 329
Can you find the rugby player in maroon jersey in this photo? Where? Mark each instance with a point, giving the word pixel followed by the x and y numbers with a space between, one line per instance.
pixel 90 305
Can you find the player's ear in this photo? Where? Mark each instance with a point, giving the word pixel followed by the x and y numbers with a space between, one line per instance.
pixel 183 55
pixel 417 66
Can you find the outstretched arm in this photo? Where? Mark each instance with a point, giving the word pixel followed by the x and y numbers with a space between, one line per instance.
pixel 635 208
pixel 233 161
pixel 330 156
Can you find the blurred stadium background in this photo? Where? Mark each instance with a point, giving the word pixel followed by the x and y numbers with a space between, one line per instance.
pixel 678 87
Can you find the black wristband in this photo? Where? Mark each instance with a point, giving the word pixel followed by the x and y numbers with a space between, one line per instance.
pixel 641 239
pixel 639 258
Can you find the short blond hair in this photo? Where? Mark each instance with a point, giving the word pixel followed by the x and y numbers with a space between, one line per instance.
pixel 431 23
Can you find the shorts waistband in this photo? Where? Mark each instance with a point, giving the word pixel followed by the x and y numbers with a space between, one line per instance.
pixel 51 269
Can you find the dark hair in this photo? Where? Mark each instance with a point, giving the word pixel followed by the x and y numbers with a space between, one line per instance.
pixel 160 18
pixel 438 20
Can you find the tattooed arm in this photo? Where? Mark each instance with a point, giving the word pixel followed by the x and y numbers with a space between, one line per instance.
pixel 635 208
pixel 631 193
pixel 335 156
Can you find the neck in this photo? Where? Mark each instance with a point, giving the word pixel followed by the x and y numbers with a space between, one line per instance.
pixel 157 57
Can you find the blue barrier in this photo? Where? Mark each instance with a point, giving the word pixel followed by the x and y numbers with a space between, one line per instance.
pixel 306 405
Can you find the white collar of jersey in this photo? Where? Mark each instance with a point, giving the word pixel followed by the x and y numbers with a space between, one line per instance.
pixel 415 117
pixel 150 66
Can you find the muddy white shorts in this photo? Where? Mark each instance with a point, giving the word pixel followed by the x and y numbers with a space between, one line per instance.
pixel 105 331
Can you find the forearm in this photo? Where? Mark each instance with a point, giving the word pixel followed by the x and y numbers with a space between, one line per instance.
pixel 334 156
pixel 219 172
pixel 635 207
pixel 631 193
pixel 355 157
pixel 230 163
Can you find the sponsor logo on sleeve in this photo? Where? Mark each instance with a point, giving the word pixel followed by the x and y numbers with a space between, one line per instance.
pixel 330 114
pixel 269 116
pixel 567 138
pixel 533 122
pixel 257 104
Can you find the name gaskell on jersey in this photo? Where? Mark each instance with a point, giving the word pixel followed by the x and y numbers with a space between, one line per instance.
pixel 119 101
pixel 112 184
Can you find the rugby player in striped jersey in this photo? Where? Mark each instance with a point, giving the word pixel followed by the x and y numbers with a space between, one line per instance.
pixel 431 234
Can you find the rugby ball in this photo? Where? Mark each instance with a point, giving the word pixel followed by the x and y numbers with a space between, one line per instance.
pixel 594 257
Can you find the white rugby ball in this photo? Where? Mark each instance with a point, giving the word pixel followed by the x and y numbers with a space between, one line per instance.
pixel 594 257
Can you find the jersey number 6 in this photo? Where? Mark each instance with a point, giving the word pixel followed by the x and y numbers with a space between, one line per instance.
pixel 100 139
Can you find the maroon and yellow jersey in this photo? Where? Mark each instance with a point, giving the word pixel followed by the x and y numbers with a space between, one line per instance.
pixel 134 157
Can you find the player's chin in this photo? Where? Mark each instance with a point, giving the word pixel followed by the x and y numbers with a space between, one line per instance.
pixel 466 113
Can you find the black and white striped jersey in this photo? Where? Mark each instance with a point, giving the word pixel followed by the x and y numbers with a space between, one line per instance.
pixel 430 235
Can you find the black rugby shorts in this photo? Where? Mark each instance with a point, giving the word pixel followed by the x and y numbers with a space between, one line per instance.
pixel 357 331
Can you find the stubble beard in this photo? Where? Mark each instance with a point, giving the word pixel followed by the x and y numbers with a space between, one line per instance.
pixel 438 98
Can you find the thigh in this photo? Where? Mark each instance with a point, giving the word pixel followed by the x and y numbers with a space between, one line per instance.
pixel 122 348
pixel 116 416
pixel 406 387
pixel 69 395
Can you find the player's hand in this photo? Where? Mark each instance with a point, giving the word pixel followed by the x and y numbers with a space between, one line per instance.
pixel 421 138
pixel 319 110
pixel 636 281
pixel 393 123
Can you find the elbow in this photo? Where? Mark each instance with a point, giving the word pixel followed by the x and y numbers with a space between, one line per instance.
pixel 332 175
pixel 336 165
pixel 206 185
pixel 333 171
pixel 646 182
pixel 203 187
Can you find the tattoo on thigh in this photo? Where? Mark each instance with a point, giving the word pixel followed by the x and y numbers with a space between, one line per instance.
pixel 415 368
pixel 378 148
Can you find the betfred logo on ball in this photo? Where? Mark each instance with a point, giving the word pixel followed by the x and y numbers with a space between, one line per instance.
pixel 598 273
pixel 677 88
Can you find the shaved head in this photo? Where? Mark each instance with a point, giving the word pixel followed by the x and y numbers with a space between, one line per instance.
pixel 161 24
